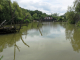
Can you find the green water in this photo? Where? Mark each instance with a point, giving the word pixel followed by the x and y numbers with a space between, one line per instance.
pixel 50 41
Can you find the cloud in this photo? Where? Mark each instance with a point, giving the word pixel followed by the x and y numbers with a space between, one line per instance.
pixel 46 6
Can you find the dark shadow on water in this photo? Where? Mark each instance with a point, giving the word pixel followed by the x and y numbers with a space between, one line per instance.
pixel 10 41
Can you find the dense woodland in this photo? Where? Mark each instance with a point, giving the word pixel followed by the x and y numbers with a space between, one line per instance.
pixel 71 16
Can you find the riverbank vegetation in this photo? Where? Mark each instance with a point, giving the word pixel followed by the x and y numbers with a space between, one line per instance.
pixel 73 13
pixel 20 13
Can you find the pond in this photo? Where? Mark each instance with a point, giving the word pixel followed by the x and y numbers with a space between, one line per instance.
pixel 50 41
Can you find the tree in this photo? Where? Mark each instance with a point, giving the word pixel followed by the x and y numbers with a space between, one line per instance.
pixel 73 13
pixel 70 15
pixel 29 18
pixel 55 14
pixel 77 5
pixel 59 18
pixel 35 15
pixel 7 10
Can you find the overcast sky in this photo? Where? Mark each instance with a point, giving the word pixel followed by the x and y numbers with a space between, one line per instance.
pixel 46 6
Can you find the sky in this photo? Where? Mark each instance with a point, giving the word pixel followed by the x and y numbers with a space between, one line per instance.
pixel 46 6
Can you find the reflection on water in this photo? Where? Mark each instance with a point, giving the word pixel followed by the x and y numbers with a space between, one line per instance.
pixel 73 34
pixel 50 41
pixel 10 41
pixel 1 57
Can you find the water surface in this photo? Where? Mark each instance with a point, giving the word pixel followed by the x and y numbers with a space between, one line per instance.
pixel 50 41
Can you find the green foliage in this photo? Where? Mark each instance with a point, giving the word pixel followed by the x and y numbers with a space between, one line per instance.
pixel 60 19
pixel 18 11
pixel 71 17
pixel 27 20
pixel 55 17
pixel 6 12
pixel 78 24
pixel 43 15
pixel 55 14
pixel 73 13
pixel 64 17
pixel 77 5
pixel 35 16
